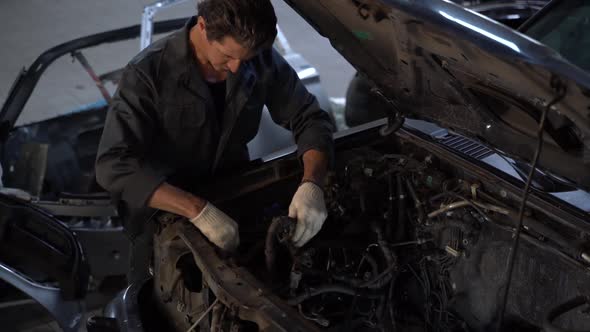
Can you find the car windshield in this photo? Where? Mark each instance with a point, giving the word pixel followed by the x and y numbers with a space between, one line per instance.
pixel 566 28
pixel 66 86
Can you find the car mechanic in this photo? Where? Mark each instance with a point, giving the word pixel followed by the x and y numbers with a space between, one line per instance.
pixel 184 110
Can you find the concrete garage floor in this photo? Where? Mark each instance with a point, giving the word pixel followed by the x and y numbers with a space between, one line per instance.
pixel 30 27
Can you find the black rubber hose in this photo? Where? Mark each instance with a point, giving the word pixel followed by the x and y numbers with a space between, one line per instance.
pixel 379 279
pixel 383 245
pixel 562 309
pixel 280 229
pixel 355 282
pixel 372 262
pixel 561 90
pixel 309 293
pixel 386 276
pixel 394 123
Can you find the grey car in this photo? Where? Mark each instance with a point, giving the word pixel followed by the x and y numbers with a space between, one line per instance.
pixel 426 232
pixel 61 238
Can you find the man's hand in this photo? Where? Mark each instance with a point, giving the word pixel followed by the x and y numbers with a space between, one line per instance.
pixel 309 208
pixel 308 205
pixel 218 227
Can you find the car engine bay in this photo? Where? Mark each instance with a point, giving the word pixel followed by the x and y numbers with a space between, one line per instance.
pixel 412 242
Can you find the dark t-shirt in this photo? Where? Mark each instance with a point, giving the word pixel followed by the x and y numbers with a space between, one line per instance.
pixel 218 93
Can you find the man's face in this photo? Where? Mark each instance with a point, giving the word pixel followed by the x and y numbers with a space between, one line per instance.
pixel 227 55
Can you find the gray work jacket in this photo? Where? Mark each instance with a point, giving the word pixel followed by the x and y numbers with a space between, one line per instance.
pixel 162 125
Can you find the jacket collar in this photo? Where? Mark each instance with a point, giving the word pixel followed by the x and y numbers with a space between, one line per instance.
pixel 239 86
pixel 191 76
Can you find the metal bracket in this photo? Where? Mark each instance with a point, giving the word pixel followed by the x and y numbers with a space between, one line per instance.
pixel 147 20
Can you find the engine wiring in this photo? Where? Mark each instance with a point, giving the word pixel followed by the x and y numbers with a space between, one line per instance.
pixel 561 92
pixel 404 232
pixel 367 278
pixel 370 283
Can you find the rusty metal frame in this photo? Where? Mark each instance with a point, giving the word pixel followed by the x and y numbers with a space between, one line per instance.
pixel 233 285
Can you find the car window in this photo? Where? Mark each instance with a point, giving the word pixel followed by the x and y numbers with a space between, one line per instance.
pixel 566 28
pixel 66 87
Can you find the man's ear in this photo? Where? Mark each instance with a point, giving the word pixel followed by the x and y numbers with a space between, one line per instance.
pixel 201 24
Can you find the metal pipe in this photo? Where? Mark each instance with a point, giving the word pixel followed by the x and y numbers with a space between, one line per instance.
pixel 447 208
pixel 203 315
pixel 407 243
pixel 147 20
pixel 419 205
pixel 464 203
pixel 216 317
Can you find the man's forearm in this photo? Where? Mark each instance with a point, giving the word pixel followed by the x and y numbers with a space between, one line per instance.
pixel 315 166
pixel 176 200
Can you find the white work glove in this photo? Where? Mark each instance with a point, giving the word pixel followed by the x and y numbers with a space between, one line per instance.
pixel 218 227
pixel 309 208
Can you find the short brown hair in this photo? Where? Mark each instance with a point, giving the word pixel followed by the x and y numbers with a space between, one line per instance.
pixel 252 23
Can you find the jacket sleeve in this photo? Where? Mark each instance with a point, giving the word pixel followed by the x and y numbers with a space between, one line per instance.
pixel 121 164
pixel 293 107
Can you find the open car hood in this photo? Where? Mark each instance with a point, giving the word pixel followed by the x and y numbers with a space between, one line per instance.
pixel 442 63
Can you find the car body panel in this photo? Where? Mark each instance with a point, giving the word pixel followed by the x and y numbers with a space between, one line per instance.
pixel 67 313
pixel 43 258
pixel 492 81
pixel 125 308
